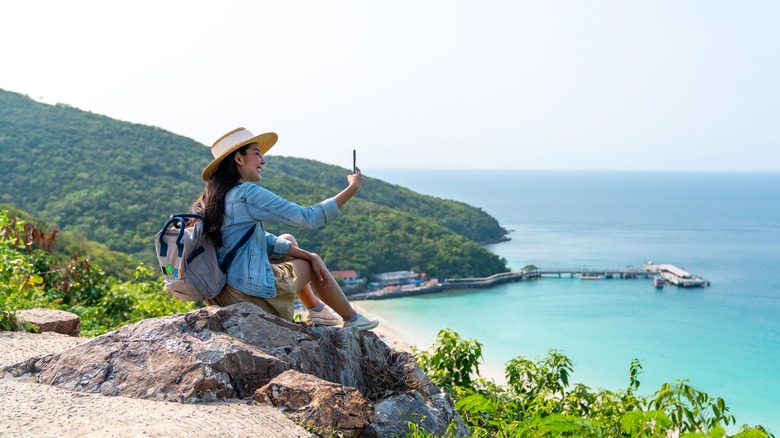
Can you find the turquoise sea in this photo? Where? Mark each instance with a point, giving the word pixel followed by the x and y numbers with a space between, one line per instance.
pixel 724 227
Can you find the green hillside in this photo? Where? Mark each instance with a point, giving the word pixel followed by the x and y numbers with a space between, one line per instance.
pixel 461 218
pixel 115 183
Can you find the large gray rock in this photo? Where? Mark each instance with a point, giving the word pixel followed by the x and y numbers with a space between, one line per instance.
pixel 229 353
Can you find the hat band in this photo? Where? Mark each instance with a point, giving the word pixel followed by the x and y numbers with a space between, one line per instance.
pixel 228 142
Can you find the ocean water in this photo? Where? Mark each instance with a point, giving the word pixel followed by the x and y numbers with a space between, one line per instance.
pixel 725 227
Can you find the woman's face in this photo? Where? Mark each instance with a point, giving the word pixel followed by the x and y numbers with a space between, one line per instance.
pixel 250 165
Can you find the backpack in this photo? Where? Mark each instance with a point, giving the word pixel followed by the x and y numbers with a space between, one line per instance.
pixel 188 259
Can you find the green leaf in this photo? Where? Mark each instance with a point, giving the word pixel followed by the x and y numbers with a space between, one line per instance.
pixel 632 422
pixel 471 403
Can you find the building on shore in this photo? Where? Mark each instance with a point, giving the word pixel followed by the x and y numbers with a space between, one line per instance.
pixel 350 280
pixel 348 276
pixel 398 278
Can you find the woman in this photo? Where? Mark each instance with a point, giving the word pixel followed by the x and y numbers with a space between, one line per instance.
pixel 231 205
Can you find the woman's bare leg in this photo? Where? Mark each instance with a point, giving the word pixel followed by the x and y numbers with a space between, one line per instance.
pixel 328 291
pixel 331 294
pixel 307 297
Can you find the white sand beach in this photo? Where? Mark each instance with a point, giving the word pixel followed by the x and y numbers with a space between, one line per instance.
pixel 388 333
pixel 392 332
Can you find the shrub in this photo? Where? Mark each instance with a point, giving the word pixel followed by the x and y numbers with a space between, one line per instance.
pixel 31 276
pixel 538 400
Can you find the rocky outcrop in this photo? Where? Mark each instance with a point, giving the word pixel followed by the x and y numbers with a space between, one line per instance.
pixel 332 380
pixel 321 404
pixel 50 320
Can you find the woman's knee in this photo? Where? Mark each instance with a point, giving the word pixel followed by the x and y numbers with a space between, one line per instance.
pixel 290 238
pixel 302 270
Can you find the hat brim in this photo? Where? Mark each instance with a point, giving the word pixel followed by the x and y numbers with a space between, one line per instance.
pixel 264 141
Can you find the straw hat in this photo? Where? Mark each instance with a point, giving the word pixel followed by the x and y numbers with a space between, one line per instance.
pixel 233 140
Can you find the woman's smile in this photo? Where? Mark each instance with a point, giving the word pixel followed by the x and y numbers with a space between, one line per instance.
pixel 250 166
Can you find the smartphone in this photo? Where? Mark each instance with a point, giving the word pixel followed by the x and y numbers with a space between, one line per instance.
pixel 354 161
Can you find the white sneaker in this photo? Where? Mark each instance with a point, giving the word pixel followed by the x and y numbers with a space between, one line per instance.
pixel 323 317
pixel 362 323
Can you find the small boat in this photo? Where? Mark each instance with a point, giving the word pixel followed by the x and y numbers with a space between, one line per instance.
pixel 591 277
pixel 658 281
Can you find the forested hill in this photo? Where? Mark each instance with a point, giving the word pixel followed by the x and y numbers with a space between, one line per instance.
pixel 116 182
pixel 456 216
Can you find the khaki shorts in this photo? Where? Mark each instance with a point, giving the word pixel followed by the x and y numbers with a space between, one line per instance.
pixel 280 305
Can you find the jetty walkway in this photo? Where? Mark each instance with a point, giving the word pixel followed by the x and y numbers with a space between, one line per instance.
pixel 670 273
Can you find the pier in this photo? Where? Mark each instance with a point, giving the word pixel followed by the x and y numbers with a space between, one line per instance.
pixel 676 276
pixel 596 274
pixel 670 273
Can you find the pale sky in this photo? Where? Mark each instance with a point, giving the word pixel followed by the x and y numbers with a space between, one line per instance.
pixel 570 84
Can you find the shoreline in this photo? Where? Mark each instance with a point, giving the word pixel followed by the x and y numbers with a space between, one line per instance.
pixel 454 284
pixel 399 339
pixel 391 336
pixel 385 331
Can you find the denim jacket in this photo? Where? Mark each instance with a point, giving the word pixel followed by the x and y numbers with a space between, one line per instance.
pixel 249 204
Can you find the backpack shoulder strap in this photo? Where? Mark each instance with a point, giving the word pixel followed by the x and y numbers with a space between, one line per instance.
pixel 225 265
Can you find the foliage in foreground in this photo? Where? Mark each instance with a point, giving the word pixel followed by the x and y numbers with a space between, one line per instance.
pixel 32 276
pixel 538 399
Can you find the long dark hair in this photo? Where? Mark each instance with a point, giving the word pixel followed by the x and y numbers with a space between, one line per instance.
pixel 211 202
